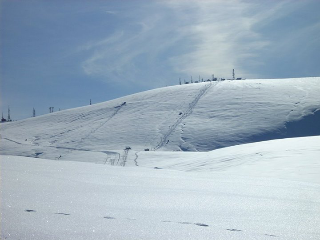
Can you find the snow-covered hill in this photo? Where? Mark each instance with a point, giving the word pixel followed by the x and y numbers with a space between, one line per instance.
pixel 194 117
pixel 228 184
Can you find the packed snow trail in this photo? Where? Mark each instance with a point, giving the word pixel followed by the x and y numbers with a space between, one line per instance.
pixel 164 139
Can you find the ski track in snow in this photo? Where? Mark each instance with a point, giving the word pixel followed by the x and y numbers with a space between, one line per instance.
pixel 113 158
pixel 118 108
pixel 77 146
pixel 188 112
pixel 92 131
pixel 12 141
pixel 136 158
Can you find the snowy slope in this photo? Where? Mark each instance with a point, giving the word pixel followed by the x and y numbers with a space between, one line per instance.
pixel 266 190
pixel 234 188
pixel 194 117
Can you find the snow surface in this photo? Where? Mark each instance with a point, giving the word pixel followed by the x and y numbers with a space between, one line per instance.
pixel 208 173
pixel 244 192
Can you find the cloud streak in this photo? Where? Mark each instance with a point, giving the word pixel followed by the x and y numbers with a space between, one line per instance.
pixel 134 50
pixel 223 37
pixel 185 38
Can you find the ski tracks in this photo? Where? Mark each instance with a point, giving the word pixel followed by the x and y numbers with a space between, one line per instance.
pixel 117 109
pixel 187 113
pixel 136 158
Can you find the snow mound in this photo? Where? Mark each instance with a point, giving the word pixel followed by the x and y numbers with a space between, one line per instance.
pixel 294 159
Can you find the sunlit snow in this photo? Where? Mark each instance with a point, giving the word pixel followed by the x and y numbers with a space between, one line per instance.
pixel 213 160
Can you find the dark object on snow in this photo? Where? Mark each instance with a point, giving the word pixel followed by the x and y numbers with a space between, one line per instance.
pixel 29 210
pixel 202 224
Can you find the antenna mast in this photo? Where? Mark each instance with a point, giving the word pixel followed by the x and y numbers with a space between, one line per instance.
pixel 9 119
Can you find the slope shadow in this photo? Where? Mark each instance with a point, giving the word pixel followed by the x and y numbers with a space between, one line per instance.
pixel 307 126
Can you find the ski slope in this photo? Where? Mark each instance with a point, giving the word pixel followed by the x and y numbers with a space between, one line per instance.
pixel 194 117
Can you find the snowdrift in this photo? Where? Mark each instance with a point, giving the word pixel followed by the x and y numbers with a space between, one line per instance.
pixel 260 190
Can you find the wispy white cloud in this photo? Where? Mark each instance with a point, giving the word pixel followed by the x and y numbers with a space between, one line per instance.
pixel 222 34
pixel 185 37
pixel 111 12
pixel 132 51
pixel 290 27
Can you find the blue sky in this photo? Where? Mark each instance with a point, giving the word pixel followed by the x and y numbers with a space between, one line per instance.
pixel 63 53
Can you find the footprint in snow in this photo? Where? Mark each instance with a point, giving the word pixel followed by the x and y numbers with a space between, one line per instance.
pixel 270 235
pixel 202 224
pixel 185 222
pixel 29 210
pixel 234 230
pixel 198 224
